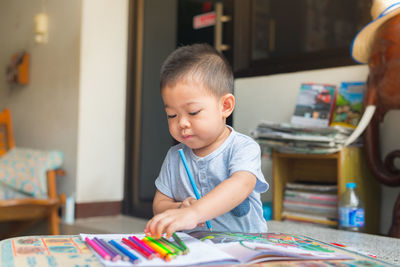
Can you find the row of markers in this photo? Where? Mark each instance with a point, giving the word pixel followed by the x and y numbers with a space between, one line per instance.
pixel 147 247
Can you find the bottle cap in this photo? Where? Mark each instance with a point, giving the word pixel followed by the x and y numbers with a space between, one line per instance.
pixel 351 185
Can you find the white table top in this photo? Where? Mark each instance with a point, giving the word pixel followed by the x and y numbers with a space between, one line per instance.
pixel 384 248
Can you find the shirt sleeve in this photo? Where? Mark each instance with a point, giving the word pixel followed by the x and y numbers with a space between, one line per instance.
pixel 246 156
pixel 163 181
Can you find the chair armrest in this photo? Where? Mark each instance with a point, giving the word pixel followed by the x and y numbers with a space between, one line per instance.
pixel 60 172
pixel 51 182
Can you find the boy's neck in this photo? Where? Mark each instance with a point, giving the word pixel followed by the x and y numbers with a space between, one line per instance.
pixel 203 152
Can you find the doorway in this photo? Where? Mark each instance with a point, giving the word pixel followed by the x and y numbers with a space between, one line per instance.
pixel 157 27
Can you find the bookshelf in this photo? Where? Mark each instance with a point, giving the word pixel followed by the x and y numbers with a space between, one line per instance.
pixel 348 165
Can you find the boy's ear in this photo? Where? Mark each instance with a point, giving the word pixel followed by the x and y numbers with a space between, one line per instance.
pixel 228 104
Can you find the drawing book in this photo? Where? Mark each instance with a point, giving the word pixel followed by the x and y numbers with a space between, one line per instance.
pixel 254 248
pixel 218 248
pixel 314 105
pixel 196 256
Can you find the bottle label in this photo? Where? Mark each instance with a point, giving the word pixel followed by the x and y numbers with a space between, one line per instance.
pixel 351 217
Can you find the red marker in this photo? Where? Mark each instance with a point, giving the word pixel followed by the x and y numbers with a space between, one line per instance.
pixel 137 248
pixel 339 245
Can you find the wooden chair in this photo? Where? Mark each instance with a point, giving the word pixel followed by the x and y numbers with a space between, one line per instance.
pixel 25 212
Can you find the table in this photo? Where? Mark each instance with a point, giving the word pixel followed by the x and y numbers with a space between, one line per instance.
pixel 71 251
pixel 384 248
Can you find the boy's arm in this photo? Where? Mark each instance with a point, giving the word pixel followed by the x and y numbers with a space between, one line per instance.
pixel 162 203
pixel 223 198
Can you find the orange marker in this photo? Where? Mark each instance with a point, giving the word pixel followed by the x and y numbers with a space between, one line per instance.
pixel 160 251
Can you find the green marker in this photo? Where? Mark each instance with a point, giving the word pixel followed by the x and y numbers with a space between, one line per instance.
pixel 177 249
pixel 161 245
pixel 180 243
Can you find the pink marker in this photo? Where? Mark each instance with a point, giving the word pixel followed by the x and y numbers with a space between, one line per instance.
pixel 98 249
pixel 142 244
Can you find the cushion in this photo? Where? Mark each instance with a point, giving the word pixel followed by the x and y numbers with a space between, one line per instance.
pixel 25 170
pixel 7 192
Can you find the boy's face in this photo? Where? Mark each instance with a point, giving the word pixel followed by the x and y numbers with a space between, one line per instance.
pixel 195 116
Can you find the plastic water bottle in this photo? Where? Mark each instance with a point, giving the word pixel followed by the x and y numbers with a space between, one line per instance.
pixel 351 210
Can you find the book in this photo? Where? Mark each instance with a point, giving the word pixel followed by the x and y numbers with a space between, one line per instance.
pixel 311 208
pixel 217 248
pixel 309 218
pixel 314 105
pixel 312 187
pixel 312 197
pixel 349 104
pixel 263 247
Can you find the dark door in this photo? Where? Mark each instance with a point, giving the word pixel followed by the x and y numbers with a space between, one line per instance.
pixel 195 24
pixel 201 21
pixel 157 28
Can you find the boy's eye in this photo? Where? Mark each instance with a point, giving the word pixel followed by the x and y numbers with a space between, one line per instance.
pixel 171 116
pixel 194 113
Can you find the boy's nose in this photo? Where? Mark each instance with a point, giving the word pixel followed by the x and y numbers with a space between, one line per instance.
pixel 184 122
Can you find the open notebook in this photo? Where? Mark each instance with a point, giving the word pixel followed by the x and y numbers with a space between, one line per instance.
pixel 216 248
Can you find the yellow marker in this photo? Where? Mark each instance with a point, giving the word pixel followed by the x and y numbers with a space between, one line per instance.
pixel 160 251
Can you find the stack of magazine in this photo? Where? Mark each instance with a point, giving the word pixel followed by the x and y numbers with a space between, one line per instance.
pixel 291 138
pixel 322 122
pixel 311 203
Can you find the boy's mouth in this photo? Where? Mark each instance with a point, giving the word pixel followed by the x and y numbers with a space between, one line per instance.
pixel 186 137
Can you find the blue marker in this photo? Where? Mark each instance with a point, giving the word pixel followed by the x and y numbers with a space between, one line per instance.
pixel 132 257
pixel 196 192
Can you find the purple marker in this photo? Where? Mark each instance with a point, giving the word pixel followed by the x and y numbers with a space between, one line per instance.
pixel 141 244
pixel 114 256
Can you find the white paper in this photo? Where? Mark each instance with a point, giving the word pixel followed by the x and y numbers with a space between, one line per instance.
pixel 200 253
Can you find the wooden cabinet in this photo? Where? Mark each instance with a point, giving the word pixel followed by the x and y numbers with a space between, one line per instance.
pixel 348 165
pixel 291 35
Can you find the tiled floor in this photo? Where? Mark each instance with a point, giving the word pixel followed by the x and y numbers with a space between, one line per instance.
pixel 112 224
pixel 95 225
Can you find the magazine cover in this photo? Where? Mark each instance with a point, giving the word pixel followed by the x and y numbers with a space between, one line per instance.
pixel 349 104
pixel 314 104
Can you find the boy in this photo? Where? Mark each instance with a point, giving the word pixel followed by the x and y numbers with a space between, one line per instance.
pixel 196 88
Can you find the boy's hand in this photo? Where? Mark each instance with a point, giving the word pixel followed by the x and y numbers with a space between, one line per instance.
pixel 188 202
pixel 171 221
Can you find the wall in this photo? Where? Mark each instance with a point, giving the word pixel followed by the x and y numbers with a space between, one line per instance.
pixel 102 100
pixel 45 112
pixel 75 101
pixel 155 139
pixel 273 98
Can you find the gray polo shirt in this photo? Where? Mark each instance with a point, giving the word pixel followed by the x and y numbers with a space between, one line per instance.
pixel 238 153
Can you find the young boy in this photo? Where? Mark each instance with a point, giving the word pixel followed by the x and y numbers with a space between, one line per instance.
pixel 196 87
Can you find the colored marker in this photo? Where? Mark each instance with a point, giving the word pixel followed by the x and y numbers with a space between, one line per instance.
pixel 160 251
pixel 98 249
pixel 140 243
pixel 189 173
pixel 339 245
pixel 161 245
pixel 114 255
pixel 133 258
pixel 176 248
pixel 180 243
pixel 118 255
pixel 134 246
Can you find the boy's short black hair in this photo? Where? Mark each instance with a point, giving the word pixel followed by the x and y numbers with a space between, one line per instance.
pixel 200 62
